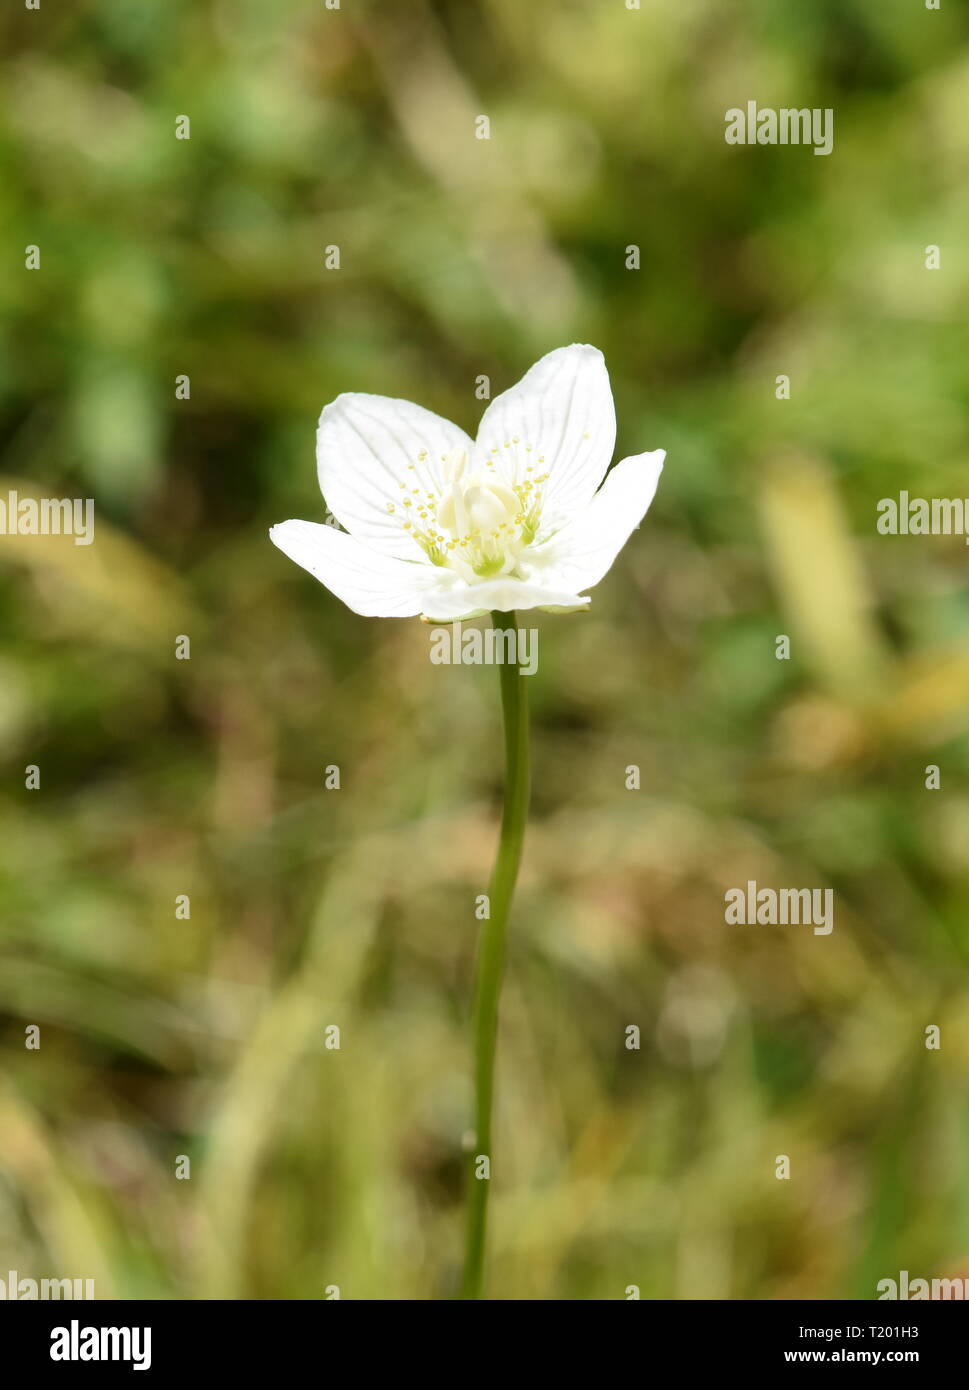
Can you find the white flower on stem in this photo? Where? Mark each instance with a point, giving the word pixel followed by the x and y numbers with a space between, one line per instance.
pixel 447 527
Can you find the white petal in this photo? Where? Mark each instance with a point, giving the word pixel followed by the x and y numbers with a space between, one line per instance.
pixel 372 584
pixel 560 412
pixel 447 604
pixel 366 447
pixel 581 553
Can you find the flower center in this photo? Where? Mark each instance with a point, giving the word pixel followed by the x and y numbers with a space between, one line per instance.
pixel 481 524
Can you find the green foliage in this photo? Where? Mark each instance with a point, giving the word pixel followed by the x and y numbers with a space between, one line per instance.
pixel 164 1036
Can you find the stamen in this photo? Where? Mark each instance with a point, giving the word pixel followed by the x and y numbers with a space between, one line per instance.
pixel 482 521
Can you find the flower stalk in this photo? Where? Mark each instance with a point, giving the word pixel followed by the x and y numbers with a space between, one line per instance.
pixel 492 949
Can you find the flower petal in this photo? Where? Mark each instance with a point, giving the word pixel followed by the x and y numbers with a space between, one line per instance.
pixel 372 584
pixel 373 452
pixel 559 420
pixel 448 604
pixel 581 553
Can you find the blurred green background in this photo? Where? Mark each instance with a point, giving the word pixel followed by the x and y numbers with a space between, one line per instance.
pixel 204 1037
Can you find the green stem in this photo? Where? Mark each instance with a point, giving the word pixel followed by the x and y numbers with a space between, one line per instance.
pixel 491 948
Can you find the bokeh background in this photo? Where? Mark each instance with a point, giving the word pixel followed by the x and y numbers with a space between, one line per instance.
pixel 163 1037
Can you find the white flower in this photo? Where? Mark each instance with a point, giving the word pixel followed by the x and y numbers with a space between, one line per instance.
pixel 447 527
